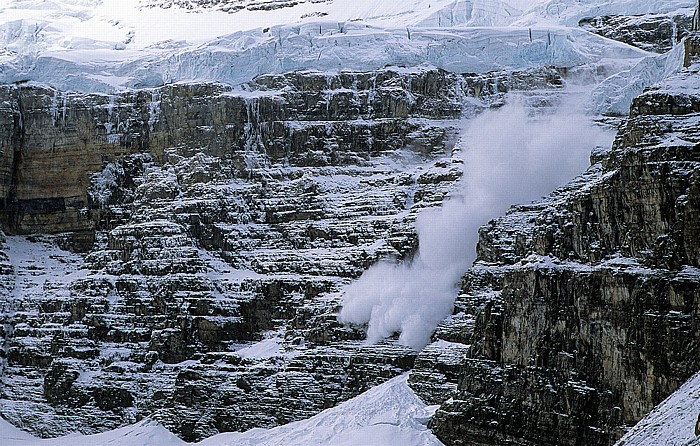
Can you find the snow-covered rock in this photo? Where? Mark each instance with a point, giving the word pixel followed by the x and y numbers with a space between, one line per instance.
pixel 585 303
pixel 109 45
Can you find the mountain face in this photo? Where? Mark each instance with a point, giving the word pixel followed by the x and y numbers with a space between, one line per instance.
pixel 180 226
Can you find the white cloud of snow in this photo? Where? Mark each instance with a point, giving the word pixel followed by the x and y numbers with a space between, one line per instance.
pixel 510 157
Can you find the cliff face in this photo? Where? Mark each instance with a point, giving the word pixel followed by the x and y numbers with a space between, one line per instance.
pixel 656 33
pixel 207 233
pixel 581 313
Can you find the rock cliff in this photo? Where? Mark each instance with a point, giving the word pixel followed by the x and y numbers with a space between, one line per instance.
pixel 658 33
pixel 581 313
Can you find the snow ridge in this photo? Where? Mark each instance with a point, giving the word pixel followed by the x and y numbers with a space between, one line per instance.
pixel 389 414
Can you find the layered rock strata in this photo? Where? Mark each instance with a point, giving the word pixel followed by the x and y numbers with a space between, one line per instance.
pixel 307 119
pixel 207 234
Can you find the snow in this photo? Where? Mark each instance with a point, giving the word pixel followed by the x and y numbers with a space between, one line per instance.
pixel 671 423
pixel 687 83
pixel 388 415
pixel 38 263
pixel 138 24
pixel 10 433
pixel 615 94
pixel 267 348
pixel 219 270
pixel 271 347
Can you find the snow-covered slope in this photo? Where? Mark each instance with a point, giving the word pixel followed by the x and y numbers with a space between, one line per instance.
pixel 389 415
pixel 672 423
pixel 144 433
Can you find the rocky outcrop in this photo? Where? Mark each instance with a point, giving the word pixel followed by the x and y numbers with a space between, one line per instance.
pixel 691 48
pixel 655 33
pixel 583 307
pixel 305 119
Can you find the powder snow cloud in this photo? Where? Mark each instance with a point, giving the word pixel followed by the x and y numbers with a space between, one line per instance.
pixel 511 156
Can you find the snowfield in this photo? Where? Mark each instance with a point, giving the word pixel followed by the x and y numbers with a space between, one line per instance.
pixel 389 415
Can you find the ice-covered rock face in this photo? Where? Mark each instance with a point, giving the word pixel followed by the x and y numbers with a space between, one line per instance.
pixel 652 33
pixel 110 45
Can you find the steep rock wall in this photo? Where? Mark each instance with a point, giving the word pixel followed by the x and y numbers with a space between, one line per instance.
pixel 53 142
pixel 656 33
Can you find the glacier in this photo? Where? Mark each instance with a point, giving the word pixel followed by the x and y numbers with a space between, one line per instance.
pixel 112 45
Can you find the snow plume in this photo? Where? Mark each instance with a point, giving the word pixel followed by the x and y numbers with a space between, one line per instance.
pixel 510 157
